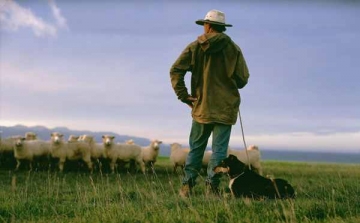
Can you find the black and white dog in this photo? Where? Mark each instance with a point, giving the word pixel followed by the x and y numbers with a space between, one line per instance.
pixel 247 183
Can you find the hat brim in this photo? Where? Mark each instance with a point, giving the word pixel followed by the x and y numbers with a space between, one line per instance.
pixel 202 21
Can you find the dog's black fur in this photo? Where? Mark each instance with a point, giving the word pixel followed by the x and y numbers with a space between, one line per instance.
pixel 250 184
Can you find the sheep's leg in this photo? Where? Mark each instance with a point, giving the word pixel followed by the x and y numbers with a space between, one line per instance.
pixel 112 165
pixel 89 165
pixel 88 162
pixel 152 166
pixel 17 164
pixel 98 164
pixel 141 163
pixel 61 164
pixel 30 165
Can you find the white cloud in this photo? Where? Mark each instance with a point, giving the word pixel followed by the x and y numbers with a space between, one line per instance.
pixel 60 20
pixel 13 17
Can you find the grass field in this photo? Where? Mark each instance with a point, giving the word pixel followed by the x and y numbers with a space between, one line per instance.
pixel 325 193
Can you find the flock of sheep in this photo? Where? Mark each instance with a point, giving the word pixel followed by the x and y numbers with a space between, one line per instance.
pixel 58 152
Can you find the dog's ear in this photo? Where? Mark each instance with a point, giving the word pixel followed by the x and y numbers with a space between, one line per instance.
pixel 232 157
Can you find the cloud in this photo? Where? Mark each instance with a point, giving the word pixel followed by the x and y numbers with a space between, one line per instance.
pixel 60 20
pixel 13 17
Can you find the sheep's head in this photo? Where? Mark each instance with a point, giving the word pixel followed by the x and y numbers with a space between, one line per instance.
pixel 108 139
pixel 253 147
pixel 156 144
pixel 86 138
pixel 19 141
pixel 174 146
pixel 130 142
pixel 73 138
pixel 30 136
pixel 56 137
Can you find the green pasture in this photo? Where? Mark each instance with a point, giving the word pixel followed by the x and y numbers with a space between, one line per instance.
pixel 325 193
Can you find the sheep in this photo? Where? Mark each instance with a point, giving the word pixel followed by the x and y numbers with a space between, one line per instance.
pixel 97 150
pixel 73 138
pixel 130 142
pixel 30 136
pixel 71 150
pixel 7 158
pixel 122 152
pixel 123 164
pixel 7 144
pixel 254 157
pixel 59 149
pixel 150 153
pixel 30 150
pixel 178 155
pixel 79 150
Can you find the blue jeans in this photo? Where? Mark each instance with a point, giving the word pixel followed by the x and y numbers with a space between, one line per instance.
pixel 198 141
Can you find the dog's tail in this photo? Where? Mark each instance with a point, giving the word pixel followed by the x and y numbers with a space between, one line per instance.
pixel 287 192
pixel 290 192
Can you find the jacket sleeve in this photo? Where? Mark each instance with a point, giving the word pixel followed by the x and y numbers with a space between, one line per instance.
pixel 241 73
pixel 178 71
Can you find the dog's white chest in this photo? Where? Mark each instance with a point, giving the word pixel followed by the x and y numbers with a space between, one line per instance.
pixel 230 184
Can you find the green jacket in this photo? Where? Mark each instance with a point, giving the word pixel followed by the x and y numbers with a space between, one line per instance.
pixel 218 70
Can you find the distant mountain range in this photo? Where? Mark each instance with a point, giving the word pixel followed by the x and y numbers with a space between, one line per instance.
pixel 302 156
pixel 44 134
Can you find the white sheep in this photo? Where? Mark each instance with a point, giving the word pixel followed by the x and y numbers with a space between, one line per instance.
pixel 7 144
pixel 178 155
pixel 150 153
pixel 97 150
pixel 122 152
pixel 251 155
pixel 30 150
pixel 72 150
pixel 130 142
pixel 73 138
pixel 7 158
pixel 79 150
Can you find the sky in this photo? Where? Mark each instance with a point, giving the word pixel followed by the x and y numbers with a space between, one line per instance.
pixel 104 66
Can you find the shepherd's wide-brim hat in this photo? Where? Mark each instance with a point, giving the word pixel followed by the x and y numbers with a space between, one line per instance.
pixel 213 17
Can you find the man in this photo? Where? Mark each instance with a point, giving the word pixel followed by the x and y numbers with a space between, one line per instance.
pixel 218 70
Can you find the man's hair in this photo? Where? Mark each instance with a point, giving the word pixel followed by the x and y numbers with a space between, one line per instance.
pixel 218 28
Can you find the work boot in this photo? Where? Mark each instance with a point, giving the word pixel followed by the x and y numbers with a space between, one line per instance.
pixel 185 191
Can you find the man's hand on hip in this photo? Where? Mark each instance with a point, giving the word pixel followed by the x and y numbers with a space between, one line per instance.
pixel 190 101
